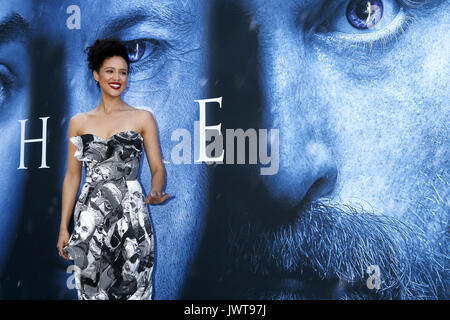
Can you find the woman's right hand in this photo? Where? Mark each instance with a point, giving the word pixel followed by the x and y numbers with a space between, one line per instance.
pixel 63 239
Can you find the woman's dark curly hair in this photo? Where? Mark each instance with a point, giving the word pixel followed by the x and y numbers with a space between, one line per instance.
pixel 105 48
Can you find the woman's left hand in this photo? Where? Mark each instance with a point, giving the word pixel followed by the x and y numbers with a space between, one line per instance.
pixel 156 197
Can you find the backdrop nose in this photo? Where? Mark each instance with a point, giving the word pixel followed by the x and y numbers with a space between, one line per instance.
pixel 323 174
pixel 291 103
pixel 304 176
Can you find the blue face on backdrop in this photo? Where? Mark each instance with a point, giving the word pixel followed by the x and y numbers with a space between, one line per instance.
pixel 359 207
pixel 14 106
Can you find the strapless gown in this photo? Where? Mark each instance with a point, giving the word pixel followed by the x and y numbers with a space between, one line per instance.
pixel 112 244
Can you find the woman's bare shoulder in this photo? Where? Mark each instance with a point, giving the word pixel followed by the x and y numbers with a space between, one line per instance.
pixel 146 117
pixel 143 113
pixel 136 110
pixel 144 120
pixel 79 117
pixel 76 122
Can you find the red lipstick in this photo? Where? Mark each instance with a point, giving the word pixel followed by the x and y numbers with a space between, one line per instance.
pixel 115 85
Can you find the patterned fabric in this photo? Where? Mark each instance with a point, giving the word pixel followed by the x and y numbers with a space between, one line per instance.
pixel 112 244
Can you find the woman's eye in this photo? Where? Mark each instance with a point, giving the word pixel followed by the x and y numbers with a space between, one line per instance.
pixel 142 48
pixel 363 14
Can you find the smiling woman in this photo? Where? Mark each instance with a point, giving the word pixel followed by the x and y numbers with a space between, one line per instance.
pixel 166 42
pixel 104 69
pixel 112 244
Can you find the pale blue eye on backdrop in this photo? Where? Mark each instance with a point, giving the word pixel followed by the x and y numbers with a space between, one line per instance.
pixel 376 24
pixel 363 14
pixel 136 49
pixel 5 83
pixel 146 50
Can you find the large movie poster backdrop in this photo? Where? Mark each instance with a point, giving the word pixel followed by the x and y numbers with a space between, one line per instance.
pixel 306 143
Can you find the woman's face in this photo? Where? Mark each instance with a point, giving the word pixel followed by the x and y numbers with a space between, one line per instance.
pixel 112 76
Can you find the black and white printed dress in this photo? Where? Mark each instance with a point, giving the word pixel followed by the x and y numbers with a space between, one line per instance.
pixel 112 243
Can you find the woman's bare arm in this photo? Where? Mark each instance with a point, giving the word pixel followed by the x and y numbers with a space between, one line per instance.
pixel 153 153
pixel 72 177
